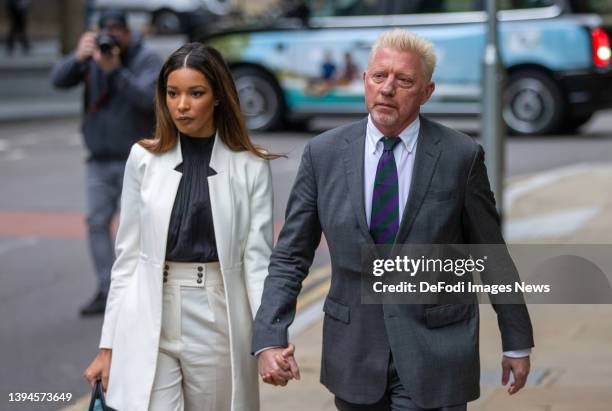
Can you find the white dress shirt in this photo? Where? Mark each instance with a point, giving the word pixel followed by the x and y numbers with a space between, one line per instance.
pixel 404 161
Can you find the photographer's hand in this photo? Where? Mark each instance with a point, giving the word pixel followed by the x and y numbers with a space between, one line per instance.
pixel 86 47
pixel 107 62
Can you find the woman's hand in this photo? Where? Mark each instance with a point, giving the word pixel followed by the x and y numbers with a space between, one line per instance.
pixel 99 368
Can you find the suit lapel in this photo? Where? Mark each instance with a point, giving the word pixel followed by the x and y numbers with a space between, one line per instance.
pixel 221 201
pixel 426 160
pixel 164 184
pixel 353 163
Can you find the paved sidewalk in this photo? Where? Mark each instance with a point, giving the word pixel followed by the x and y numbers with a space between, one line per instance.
pixel 572 361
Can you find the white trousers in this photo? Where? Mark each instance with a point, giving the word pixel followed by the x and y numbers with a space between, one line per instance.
pixel 193 365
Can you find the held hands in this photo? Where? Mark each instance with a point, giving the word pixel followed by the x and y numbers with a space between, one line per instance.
pixel 99 368
pixel 520 371
pixel 277 365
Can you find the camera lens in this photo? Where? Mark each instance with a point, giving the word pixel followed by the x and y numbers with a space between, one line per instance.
pixel 105 42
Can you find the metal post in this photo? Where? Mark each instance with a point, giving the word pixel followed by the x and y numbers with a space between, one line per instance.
pixel 493 127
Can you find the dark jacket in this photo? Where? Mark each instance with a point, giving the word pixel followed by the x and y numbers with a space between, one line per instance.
pixel 118 108
pixel 434 348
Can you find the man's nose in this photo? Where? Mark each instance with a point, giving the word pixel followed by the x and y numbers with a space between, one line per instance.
pixel 388 87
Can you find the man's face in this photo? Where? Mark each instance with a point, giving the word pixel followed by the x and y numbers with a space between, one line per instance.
pixel 120 32
pixel 395 88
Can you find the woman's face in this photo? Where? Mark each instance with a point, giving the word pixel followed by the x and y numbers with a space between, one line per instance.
pixel 191 102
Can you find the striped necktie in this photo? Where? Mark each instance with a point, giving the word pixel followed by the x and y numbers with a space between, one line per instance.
pixel 384 219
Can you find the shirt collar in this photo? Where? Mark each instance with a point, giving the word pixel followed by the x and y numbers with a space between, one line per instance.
pixel 408 135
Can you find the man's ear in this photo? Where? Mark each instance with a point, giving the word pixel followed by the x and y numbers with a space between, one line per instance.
pixel 429 89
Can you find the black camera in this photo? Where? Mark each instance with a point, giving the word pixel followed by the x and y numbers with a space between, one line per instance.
pixel 106 42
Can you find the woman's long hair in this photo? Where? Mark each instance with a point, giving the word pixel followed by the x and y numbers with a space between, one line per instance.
pixel 227 116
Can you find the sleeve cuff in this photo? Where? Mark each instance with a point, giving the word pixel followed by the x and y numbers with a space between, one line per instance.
pixel 264 349
pixel 518 353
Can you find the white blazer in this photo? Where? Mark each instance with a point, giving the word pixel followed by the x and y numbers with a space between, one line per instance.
pixel 241 202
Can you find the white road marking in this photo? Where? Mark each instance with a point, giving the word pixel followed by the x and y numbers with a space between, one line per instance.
pixel 518 190
pixel 9 245
pixel 29 139
pixel 15 155
pixel 560 223
pixel 74 140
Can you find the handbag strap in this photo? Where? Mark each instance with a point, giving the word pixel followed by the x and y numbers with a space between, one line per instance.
pixel 97 394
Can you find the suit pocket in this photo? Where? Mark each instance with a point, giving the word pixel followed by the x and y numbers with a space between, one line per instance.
pixel 337 310
pixel 447 314
pixel 439 195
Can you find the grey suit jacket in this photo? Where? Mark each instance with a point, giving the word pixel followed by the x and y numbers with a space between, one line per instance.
pixel 434 348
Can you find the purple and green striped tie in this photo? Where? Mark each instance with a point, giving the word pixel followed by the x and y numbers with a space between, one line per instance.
pixel 385 218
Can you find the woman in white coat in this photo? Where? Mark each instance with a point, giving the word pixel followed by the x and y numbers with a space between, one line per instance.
pixel 193 245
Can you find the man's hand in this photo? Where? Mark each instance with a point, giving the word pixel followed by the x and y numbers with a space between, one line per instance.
pixel 277 365
pixel 520 370
pixel 286 361
pixel 86 47
pixel 108 63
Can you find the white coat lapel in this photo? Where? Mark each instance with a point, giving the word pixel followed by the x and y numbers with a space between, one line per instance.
pixel 165 182
pixel 221 201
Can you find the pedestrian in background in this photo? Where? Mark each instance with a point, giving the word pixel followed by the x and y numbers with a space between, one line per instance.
pixel 17 11
pixel 119 74
pixel 193 247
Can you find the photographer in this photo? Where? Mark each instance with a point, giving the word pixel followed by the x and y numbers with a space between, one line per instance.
pixel 119 75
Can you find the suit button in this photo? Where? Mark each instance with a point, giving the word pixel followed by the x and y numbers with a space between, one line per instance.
pixel 165 273
pixel 200 275
pixel 166 267
pixel 199 281
pixel 200 268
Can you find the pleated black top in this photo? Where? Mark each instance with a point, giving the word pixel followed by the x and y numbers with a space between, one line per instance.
pixel 191 233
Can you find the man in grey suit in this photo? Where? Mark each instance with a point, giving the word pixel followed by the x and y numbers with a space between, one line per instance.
pixel 353 184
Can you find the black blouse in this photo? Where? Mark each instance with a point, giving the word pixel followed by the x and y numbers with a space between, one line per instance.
pixel 191 233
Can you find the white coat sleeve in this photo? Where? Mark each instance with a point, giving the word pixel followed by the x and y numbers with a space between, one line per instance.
pixel 127 243
pixel 258 245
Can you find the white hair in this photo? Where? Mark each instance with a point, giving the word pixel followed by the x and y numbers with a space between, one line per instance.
pixel 403 40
